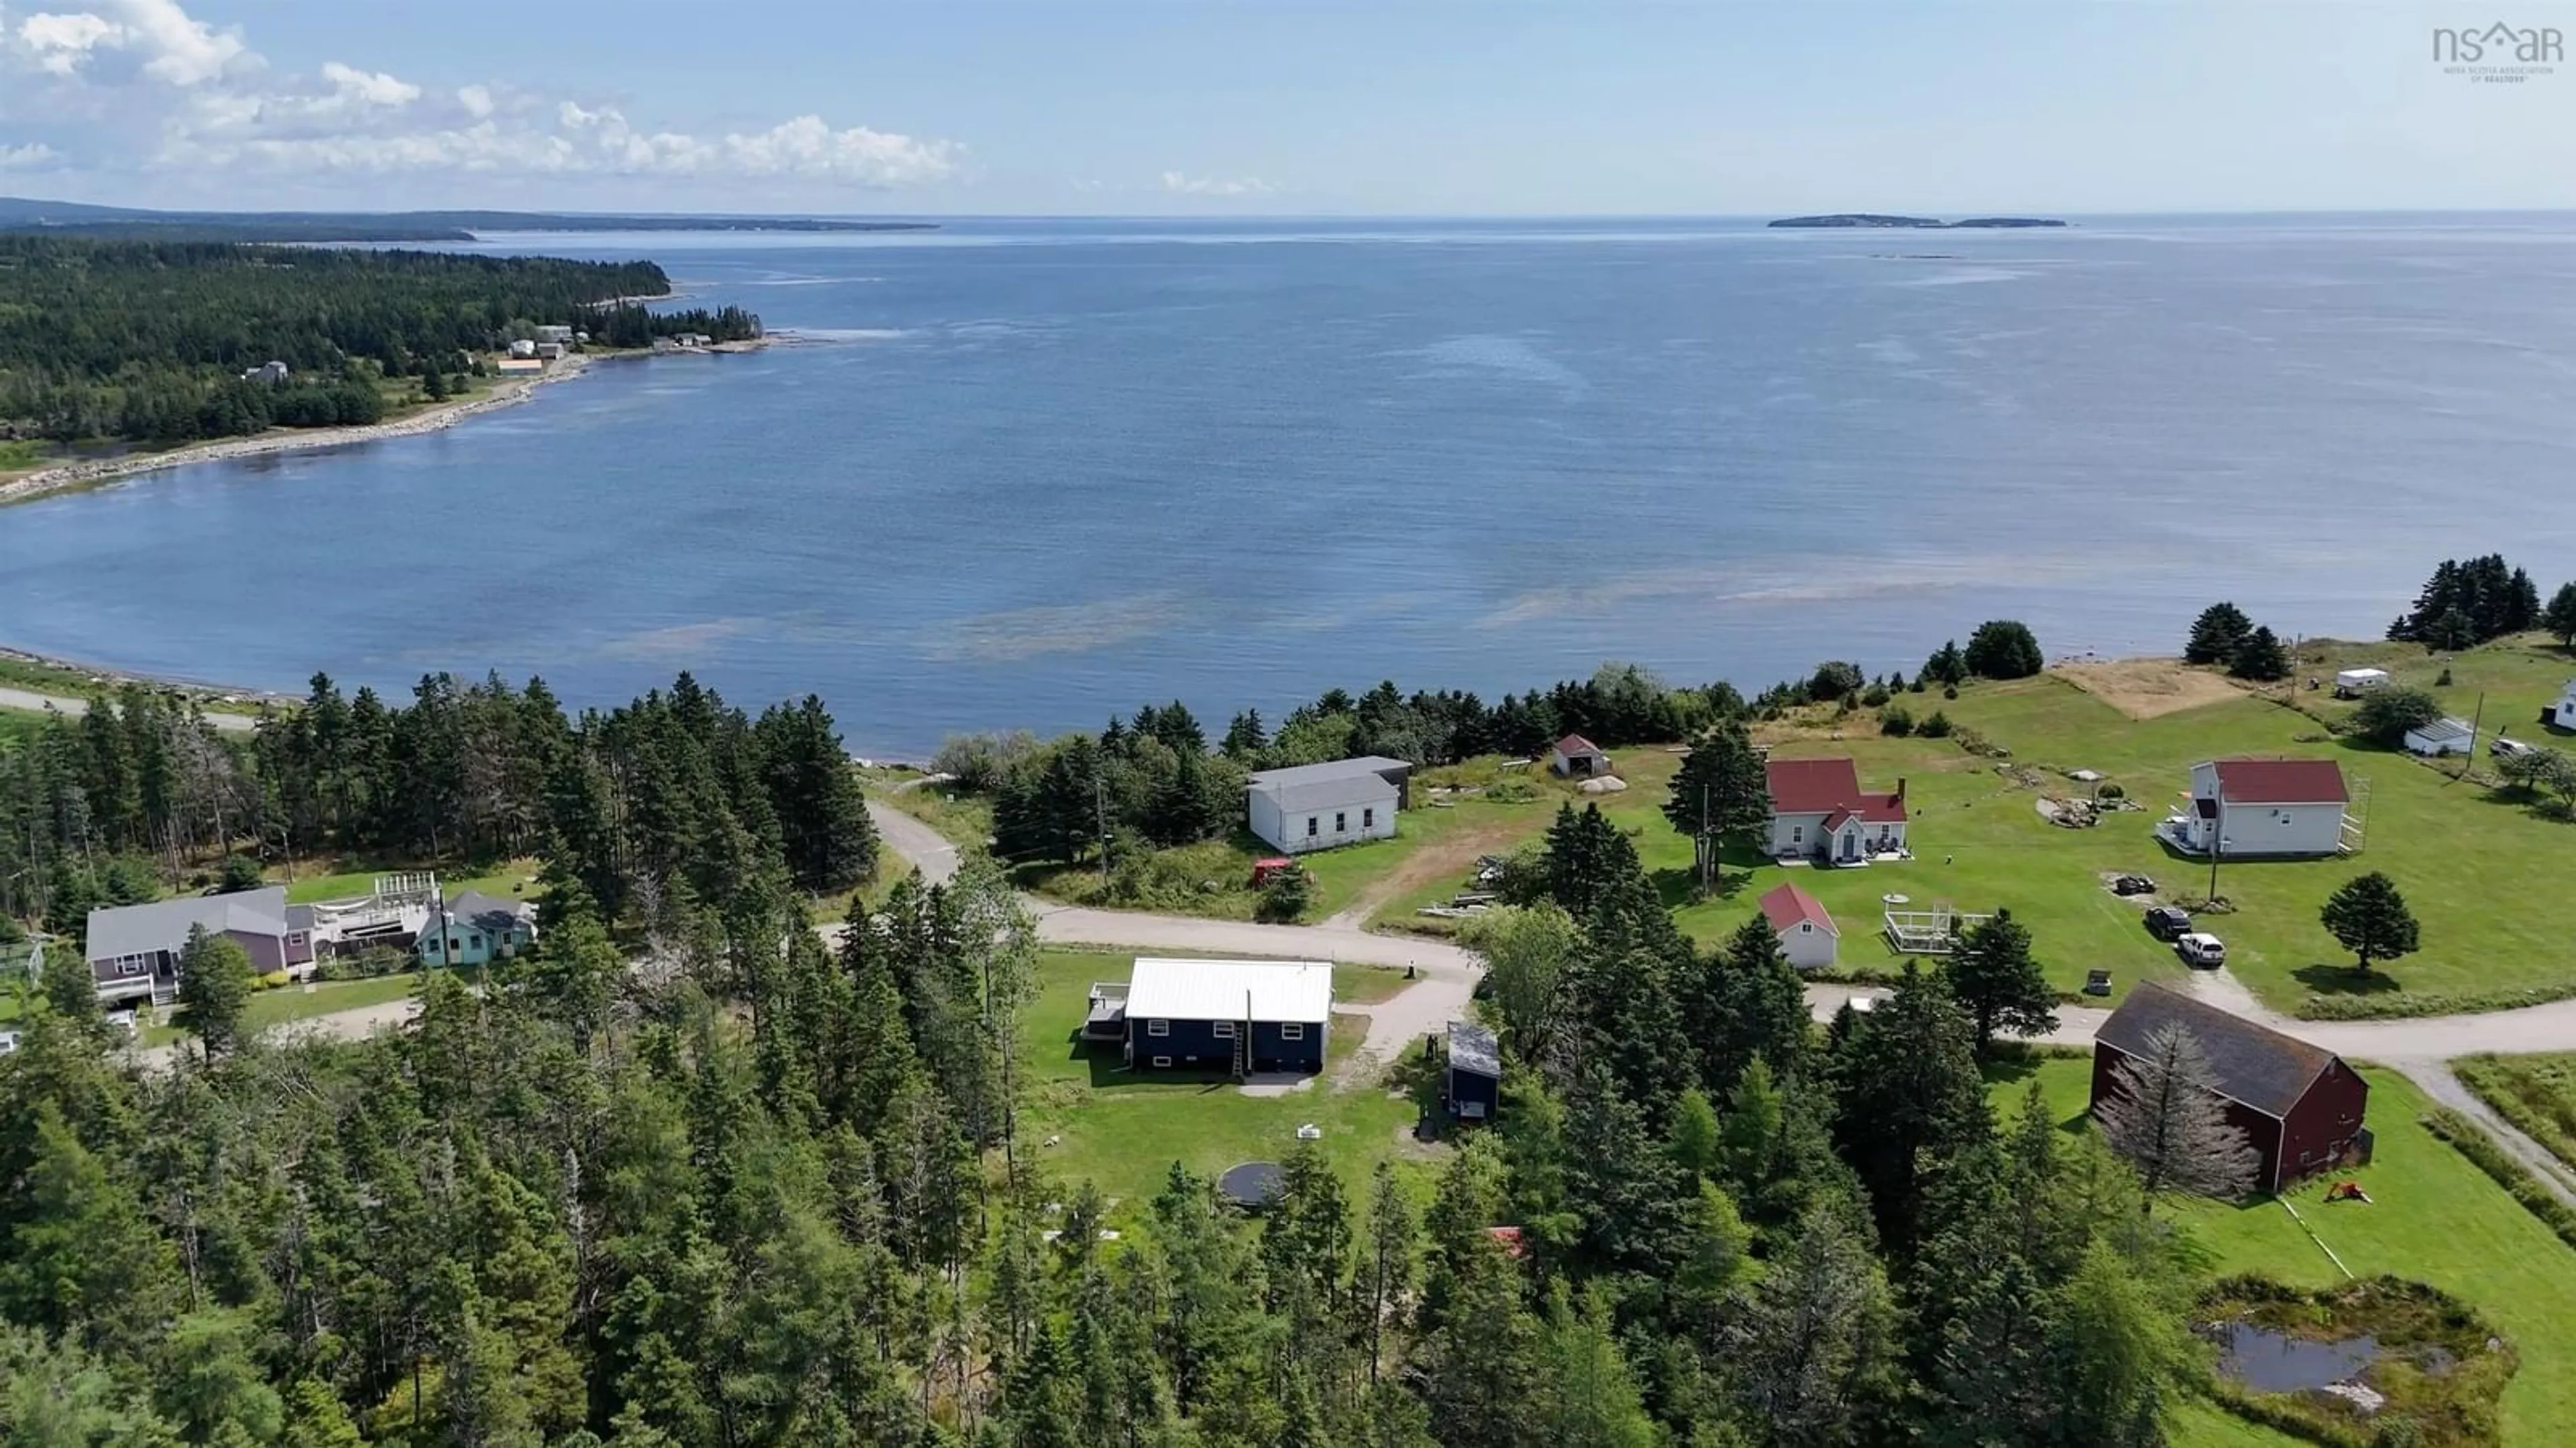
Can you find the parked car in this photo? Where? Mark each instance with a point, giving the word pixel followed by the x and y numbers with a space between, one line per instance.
pixel 123 1023
pixel 2504 748
pixel 2166 922
pixel 2133 885
pixel 2199 949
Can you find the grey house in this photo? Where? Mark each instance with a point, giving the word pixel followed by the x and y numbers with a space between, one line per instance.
pixel 1318 806
pixel 134 949
pixel 1242 1016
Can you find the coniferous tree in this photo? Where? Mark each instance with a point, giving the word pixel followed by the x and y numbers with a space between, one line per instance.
pixel 2003 649
pixel 1720 792
pixel 2260 657
pixel 2368 916
pixel 2559 618
pixel 2165 1115
pixel 1993 976
pixel 1907 1092
pixel 2216 634
pixel 214 985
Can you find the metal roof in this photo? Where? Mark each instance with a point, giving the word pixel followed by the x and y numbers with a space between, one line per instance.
pixel 476 907
pixel 2280 781
pixel 1229 990
pixel 1473 1049
pixel 2442 731
pixel 116 930
pixel 2256 1065
pixel 1322 786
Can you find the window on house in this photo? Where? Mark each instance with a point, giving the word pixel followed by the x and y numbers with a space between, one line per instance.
pixel 452 943
pixel 1338 826
pixel 1797 834
pixel 1162 1060
pixel 1158 1028
pixel 1310 827
pixel 1368 819
pixel 1225 1030
pixel 1292 1031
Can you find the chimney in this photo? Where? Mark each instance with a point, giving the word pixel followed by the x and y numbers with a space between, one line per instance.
pixel 1900 789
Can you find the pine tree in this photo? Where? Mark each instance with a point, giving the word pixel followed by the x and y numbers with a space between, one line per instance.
pixel 2003 649
pixel 2559 618
pixel 2369 917
pixel 1389 1260
pixel 2216 634
pixel 1906 1094
pixel 2260 657
pixel 2165 1115
pixel 1719 792
pixel 214 986
pixel 1994 978
pixel 1244 737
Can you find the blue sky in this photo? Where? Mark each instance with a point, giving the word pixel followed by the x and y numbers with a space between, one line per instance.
pixel 1274 106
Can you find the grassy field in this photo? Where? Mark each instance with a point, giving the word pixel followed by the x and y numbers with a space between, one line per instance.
pixel 2432 1218
pixel 512 879
pixel 1979 840
pixel 2535 1093
pixel 1124 1129
pixel 288 1004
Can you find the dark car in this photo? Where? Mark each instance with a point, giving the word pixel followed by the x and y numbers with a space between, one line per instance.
pixel 2165 922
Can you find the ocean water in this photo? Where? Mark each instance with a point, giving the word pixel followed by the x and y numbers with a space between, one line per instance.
pixel 1031 473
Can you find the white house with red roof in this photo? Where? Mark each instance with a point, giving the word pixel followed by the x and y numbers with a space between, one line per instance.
pixel 1819 811
pixel 1806 931
pixel 2258 808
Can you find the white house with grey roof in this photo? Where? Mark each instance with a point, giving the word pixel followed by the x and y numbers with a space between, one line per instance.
pixel 134 949
pixel 1318 806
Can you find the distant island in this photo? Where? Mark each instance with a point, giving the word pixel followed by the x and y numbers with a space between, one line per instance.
pixel 70 218
pixel 1920 223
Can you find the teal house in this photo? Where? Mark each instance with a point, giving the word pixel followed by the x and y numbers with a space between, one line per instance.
pixel 477 929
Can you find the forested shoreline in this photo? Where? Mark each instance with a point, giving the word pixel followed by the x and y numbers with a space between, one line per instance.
pixel 145 341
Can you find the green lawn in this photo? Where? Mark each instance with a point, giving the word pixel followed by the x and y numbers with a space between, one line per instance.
pixel 1979 842
pixel 2432 1218
pixel 287 1004
pixel 2535 1093
pixel 1124 1129
pixel 513 879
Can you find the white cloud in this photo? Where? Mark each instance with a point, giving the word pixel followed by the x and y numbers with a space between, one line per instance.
pixel 164 91
pixel 28 157
pixel 1181 184
pixel 374 88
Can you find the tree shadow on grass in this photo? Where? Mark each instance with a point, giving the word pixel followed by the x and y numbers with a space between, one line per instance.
pixel 1679 885
pixel 2340 979
pixel 1110 1071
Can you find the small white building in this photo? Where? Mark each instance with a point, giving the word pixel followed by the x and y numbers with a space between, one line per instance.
pixel 271 374
pixel 1807 933
pixel 1575 757
pixel 523 347
pixel 1318 806
pixel 2441 737
pixel 2353 683
pixel 2258 808
pixel 2562 714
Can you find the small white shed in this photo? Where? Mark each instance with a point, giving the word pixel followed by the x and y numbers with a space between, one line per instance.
pixel 2441 737
pixel 1807 933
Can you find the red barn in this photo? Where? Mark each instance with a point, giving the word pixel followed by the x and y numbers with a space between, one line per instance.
pixel 2299 1104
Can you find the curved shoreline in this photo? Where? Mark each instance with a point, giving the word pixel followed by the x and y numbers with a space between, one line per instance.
pixel 507 393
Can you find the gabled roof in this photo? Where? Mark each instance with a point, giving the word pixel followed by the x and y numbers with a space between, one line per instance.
pixel 2258 1066
pixel 1229 990
pixel 1573 744
pixel 1821 786
pixel 2280 781
pixel 2444 731
pixel 116 930
pixel 489 911
pixel 1321 786
pixel 1787 907
pixel 1473 1049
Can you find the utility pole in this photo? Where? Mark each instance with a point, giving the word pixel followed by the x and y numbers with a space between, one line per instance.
pixel 2217 847
pixel 1100 808
pixel 2469 760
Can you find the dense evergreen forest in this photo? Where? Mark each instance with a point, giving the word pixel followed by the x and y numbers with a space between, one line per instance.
pixel 667 809
pixel 147 341
pixel 691 1175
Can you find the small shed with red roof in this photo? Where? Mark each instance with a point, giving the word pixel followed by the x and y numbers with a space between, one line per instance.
pixel 1576 757
pixel 1820 812
pixel 1806 931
